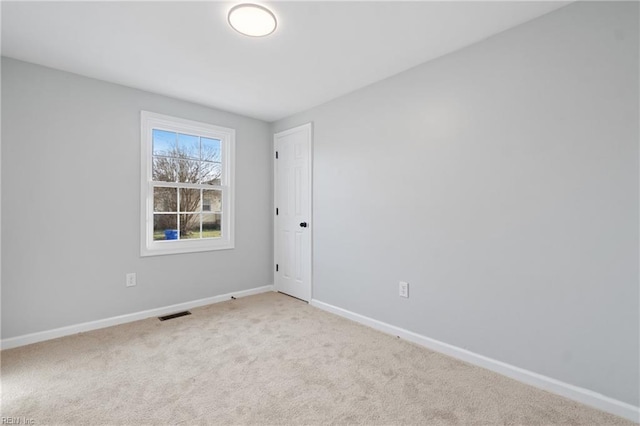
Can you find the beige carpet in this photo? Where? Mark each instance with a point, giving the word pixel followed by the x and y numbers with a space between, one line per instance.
pixel 266 359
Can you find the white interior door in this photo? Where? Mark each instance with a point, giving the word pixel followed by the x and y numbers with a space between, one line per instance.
pixel 293 212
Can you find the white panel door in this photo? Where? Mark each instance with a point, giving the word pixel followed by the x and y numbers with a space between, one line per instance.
pixel 293 212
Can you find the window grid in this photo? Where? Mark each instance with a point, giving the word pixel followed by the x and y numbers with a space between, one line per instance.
pixel 200 211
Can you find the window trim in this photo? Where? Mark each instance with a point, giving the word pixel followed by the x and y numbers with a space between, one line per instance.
pixel 149 247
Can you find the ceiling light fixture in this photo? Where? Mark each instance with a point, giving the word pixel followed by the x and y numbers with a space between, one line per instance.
pixel 252 20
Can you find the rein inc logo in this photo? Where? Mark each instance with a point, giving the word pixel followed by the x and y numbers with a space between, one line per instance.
pixel 17 421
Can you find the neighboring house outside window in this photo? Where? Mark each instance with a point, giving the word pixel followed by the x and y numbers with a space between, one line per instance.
pixel 187 191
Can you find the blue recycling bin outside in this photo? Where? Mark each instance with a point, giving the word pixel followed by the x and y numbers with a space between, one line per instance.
pixel 170 234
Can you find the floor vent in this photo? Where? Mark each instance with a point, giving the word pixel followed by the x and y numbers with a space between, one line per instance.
pixel 176 315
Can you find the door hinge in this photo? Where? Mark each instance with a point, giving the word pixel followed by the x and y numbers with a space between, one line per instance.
pixel 276 267
pixel 276 155
pixel 276 211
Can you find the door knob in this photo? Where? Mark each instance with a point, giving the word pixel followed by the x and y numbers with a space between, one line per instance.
pixel 303 225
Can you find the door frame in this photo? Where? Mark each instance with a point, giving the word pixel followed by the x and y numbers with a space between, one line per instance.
pixel 308 128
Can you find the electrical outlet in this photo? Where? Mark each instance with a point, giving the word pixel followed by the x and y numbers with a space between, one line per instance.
pixel 403 289
pixel 131 279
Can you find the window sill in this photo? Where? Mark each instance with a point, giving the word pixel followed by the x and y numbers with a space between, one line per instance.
pixel 183 247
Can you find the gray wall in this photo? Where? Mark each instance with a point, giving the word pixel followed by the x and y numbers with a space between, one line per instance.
pixel 71 209
pixel 501 182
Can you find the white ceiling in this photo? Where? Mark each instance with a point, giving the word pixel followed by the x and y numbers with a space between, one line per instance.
pixel 321 50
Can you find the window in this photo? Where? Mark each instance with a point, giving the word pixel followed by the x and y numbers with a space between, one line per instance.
pixel 187 186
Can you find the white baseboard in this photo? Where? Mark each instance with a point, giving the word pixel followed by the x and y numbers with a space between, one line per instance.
pixel 567 390
pixel 27 339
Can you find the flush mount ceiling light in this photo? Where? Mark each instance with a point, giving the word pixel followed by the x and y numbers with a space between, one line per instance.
pixel 252 20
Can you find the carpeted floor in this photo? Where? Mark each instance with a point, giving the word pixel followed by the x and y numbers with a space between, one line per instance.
pixel 265 359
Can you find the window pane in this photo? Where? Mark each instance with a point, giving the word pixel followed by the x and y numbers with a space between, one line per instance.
pixel 211 150
pixel 189 146
pixel 190 171
pixel 211 173
pixel 165 169
pixel 165 200
pixel 189 226
pixel 164 143
pixel 211 225
pixel 189 200
pixel 211 200
pixel 165 227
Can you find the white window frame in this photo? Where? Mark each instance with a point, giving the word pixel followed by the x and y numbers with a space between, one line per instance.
pixel 148 247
